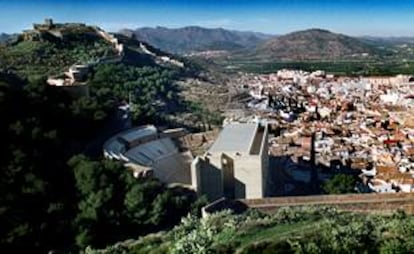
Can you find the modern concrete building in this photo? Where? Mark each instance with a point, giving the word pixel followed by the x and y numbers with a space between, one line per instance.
pixel 236 165
pixel 147 151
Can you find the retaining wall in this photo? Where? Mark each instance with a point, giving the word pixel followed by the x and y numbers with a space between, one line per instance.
pixel 373 202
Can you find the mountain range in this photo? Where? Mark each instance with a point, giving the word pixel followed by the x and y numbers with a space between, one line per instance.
pixel 194 38
pixel 314 44
pixel 4 37
pixel 310 44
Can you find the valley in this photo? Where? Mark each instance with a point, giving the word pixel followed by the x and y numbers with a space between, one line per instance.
pixel 206 127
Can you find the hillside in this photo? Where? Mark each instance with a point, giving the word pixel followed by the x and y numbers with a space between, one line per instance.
pixel 194 38
pixel 290 230
pixel 314 44
pixel 50 49
pixel 50 57
pixel 52 163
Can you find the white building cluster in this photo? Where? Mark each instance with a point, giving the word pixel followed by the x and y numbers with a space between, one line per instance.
pixel 363 125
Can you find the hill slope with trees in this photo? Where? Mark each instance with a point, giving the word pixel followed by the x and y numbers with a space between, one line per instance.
pixel 290 230
pixel 55 199
pixel 56 194
pixel 315 44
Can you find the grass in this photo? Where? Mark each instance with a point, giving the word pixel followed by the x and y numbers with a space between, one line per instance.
pixel 277 232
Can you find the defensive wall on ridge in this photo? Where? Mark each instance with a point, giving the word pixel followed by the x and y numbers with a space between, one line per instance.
pixel 373 202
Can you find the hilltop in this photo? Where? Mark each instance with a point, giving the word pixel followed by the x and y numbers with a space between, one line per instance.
pixel 314 44
pixel 49 49
pixel 195 38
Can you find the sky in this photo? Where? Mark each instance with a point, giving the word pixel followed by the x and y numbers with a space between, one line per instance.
pixel 353 17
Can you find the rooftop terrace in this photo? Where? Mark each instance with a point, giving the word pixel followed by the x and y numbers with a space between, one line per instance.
pixel 239 137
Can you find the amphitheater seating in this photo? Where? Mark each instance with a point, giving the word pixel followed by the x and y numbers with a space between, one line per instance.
pixel 155 149
pixel 167 143
pixel 173 168
pixel 114 149
pixel 161 155
pixel 138 157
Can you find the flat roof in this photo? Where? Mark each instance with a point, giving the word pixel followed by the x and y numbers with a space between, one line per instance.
pixel 236 137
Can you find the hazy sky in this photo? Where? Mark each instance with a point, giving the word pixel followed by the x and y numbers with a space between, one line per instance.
pixel 362 17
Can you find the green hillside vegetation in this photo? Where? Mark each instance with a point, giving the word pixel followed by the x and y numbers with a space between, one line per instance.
pixel 51 56
pixel 340 184
pixel 314 44
pixel 113 205
pixel 138 77
pixel 290 230
pixel 53 196
pixel 150 89
pixel 317 49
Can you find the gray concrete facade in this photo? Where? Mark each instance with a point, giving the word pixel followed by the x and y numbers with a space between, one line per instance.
pixel 236 165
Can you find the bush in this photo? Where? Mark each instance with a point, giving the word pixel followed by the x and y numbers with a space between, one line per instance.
pixel 340 184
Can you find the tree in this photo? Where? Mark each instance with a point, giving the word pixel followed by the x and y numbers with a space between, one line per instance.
pixel 113 205
pixel 47 203
pixel 35 184
pixel 340 184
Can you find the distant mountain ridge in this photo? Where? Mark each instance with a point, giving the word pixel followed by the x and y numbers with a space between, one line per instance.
pixel 195 38
pixel 6 37
pixel 391 40
pixel 314 44
pixel 310 44
pixel 3 37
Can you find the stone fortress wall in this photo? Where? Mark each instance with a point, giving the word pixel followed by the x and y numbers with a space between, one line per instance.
pixel 76 74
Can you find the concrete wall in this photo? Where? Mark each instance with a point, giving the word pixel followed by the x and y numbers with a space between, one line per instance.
pixel 249 172
pixel 111 39
pixel 206 179
pixel 249 176
pixel 264 155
